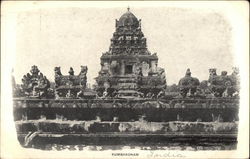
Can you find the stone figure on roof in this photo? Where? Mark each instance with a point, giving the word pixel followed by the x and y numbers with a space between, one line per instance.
pixel 71 71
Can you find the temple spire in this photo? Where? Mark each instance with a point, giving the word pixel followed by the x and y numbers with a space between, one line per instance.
pixel 128 8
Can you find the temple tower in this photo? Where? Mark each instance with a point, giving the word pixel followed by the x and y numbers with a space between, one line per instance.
pixel 128 69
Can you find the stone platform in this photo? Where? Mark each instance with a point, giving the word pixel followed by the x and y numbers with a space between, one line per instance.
pixel 42 132
pixel 40 122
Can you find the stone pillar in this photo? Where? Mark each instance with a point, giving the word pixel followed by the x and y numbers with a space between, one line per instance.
pixel 122 67
pixel 134 68
pixel 154 66
pixel 145 68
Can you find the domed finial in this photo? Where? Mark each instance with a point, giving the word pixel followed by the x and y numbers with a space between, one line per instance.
pixel 128 8
pixel 188 72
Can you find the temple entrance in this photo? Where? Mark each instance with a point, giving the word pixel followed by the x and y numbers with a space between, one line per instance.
pixel 129 69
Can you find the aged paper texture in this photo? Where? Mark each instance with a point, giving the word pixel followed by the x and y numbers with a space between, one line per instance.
pixel 188 34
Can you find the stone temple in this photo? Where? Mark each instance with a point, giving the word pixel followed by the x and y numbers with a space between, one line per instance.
pixel 130 104
pixel 129 69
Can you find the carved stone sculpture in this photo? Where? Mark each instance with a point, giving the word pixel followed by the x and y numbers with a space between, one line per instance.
pixel 71 71
pixel 35 84
pixel 188 85
pixel 70 86
pixel 129 62
pixel 223 85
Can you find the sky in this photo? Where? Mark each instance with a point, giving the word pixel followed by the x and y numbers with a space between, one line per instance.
pixel 182 37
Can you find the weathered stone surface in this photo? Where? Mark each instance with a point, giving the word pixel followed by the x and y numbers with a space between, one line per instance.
pixel 70 86
pixel 57 126
pixel 224 85
pixel 129 110
pixel 34 84
pixel 130 101
pixel 129 61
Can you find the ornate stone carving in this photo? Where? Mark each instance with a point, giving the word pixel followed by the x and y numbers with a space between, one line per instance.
pixel 115 67
pixel 83 75
pixel 71 71
pixel 188 85
pixel 223 85
pixel 35 84
pixel 130 62
pixel 70 86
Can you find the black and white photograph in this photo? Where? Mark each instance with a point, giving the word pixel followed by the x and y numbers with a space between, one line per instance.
pixel 125 79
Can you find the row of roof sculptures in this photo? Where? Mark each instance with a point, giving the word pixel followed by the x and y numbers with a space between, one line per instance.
pixel 217 85
pixel 35 84
pixel 128 70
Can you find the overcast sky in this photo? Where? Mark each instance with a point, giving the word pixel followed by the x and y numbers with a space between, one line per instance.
pixel 183 38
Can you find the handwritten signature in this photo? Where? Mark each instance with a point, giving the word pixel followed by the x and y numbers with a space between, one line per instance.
pixel 154 154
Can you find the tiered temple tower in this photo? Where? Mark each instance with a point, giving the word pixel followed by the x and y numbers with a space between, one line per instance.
pixel 128 69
